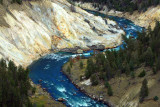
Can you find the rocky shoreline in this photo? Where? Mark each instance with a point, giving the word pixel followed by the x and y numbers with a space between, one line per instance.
pixel 42 92
pixel 144 19
pixel 109 104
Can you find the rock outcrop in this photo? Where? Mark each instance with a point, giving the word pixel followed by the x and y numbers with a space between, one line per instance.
pixel 30 30
pixel 143 19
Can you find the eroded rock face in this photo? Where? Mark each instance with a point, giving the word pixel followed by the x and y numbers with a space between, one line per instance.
pixel 29 30
pixel 144 19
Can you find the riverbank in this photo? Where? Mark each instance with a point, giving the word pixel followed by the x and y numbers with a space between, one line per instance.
pixel 41 98
pixel 125 89
pixel 82 89
pixel 143 19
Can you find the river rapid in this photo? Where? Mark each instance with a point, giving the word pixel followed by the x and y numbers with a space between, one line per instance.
pixel 48 69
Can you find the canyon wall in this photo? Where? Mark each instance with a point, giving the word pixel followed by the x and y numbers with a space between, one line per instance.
pixel 30 30
pixel 143 19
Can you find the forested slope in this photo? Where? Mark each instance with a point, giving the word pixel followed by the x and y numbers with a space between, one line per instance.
pixel 123 5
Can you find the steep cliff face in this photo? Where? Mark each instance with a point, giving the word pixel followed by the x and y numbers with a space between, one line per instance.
pixel 143 19
pixel 33 28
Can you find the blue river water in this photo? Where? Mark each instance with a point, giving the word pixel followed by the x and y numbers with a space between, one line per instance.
pixel 57 84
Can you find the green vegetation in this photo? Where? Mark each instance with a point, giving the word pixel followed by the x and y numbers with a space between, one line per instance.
pixel 122 72
pixel 144 90
pixel 110 92
pixel 68 69
pixel 143 50
pixel 81 65
pixel 17 1
pixel 107 84
pixel 136 53
pixel 142 74
pixel 94 80
pixel 13 1
pixel 71 62
pixel 14 85
pixel 123 5
pixel 156 98
pixel 1 1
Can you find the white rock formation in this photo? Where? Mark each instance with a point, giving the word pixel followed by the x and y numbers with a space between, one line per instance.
pixel 31 29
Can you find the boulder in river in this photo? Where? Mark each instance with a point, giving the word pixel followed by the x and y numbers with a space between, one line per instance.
pixel 79 51
pixel 97 47
pixel 71 50
pixel 61 100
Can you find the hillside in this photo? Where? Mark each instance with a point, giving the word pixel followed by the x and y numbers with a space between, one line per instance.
pixel 32 29
pixel 125 89
pixel 127 77
pixel 144 19
pixel 141 18
pixel 121 5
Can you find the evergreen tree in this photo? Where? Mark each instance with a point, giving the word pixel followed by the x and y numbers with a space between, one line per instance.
pixel 127 69
pixel 110 92
pixel 148 55
pixel 1 1
pixel 132 74
pixel 14 85
pixel 142 74
pixel 81 65
pixel 94 80
pixel 107 84
pixel 69 69
pixel 71 62
pixel 144 90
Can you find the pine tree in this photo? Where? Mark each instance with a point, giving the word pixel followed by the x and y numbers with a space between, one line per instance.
pixel 144 90
pixel 71 62
pixel 148 55
pixel 81 65
pixel 107 84
pixel 1 1
pixel 94 80
pixel 142 74
pixel 69 69
pixel 132 74
pixel 110 92
pixel 127 69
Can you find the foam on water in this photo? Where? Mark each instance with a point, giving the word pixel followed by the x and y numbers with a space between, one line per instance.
pixel 61 89
pixel 57 84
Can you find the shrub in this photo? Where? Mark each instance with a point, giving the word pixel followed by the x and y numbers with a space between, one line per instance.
pixel 33 90
pixel 142 74
pixel 81 77
pixel 110 92
pixel 132 74
pixel 144 90
pixel 71 62
pixel 156 98
pixel 69 69
pixel 81 65
pixel 1 1
pixel 107 84
pixel 94 80
pixel 154 70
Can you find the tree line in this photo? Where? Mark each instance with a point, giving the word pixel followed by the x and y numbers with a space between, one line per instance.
pixel 13 1
pixel 123 5
pixel 14 85
pixel 144 50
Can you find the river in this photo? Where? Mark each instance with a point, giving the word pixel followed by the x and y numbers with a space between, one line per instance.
pixel 57 84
